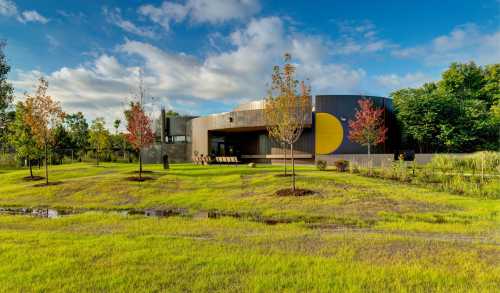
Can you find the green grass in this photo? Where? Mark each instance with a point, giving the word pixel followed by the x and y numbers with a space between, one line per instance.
pixel 355 234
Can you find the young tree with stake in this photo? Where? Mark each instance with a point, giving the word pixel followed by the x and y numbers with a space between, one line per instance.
pixel 140 134
pixel 99 137
pixel 43 115
pixel 287 109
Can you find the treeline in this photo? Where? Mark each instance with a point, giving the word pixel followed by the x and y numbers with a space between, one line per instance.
pixel 459 113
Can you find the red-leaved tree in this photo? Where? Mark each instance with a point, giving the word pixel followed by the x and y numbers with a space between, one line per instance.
pixel 140 133
pixel 368 127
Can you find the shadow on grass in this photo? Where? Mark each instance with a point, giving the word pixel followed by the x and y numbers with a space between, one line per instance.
pixel 33 178
pixel 137 179
pixel 48 184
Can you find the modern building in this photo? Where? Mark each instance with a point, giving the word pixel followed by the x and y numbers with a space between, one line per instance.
pixel 242 133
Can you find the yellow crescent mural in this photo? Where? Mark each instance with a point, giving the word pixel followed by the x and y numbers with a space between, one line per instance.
pixel 329 133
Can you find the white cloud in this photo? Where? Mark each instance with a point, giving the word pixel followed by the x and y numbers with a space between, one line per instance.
pixel 395 81
pixel 114 17
pixel 233 75
pixel 357 38
pixel 53 42
pixel 9 8
pixel 200 11
pixel 464 43
pixel 32 16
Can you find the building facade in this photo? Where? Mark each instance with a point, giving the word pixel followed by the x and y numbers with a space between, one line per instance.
pixel 242 133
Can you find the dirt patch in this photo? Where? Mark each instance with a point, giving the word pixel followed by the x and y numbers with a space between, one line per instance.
pixel 48 184
pixel 137 179
pixel 34 178
pixel 296 192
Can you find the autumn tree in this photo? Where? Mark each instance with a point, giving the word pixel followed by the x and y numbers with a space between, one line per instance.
pixel 43 115
pixel 98 137
pixel 21 137
pixel 368 127
pixel 140 133
pixel 287 108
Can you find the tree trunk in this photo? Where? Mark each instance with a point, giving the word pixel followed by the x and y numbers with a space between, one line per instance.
pixel 284 153
pixel 46 166
pixel 97 157
pixel 31 169
pixel 140 164
pixel 293 166
pixel 370 158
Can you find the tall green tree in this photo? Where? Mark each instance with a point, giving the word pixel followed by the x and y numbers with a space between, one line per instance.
pixel 455 114
pixel 21 137
pixel 99 137
pixel 6 97
pixel 78 130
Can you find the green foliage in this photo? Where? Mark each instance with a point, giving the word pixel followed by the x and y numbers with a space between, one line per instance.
pixel 321 165
pixel 99 137
pixel 456 114
pixel 78 131
pixel 6 89
pixel 6 97
pixel 21 137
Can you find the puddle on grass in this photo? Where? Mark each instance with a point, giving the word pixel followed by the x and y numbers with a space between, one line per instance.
pixel 36 212
pixel 52 213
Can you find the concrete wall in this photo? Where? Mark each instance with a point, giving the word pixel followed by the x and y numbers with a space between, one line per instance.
pixel 177 153
pixel 343 107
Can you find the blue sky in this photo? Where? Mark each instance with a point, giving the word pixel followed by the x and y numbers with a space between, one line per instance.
pixel 204 56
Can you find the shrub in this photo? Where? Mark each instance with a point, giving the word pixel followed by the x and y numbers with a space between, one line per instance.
pixel 353 167
pixel 321 165
pixel 342 165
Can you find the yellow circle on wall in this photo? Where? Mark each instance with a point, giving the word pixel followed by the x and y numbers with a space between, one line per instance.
pixel 329 133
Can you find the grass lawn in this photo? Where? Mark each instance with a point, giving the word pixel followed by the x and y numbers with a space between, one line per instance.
pixel 354 234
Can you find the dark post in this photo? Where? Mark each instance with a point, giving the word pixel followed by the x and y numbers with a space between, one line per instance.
pixel 165 162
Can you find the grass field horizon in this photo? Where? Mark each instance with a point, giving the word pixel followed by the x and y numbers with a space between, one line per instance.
pixel 354 234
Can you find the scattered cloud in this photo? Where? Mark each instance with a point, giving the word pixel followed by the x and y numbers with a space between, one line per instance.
pixel 9 9
pixel 233 75
pixel 199 11
pixel 75 17
pixel 53 42
pixel 114 16
pixel 359 38
pixel 464 43
pixel 395 81
pixel 32 16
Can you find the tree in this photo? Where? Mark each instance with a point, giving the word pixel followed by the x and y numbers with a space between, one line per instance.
pixel 22 138
pixel 78 131
pixel 171 113
pixel 43 115
pixel 455 114
pixel 116 125
pixel 99 137
pixel 6 95
pixel 287 109
pixel 368 127
pixel 140 133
